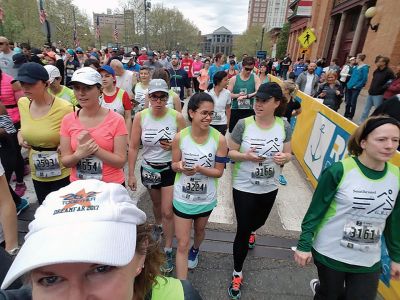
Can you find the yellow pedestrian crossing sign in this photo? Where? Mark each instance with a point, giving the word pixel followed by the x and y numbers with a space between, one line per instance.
pixel 307 38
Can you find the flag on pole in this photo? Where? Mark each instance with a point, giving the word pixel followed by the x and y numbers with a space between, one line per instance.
pixel 97 28
pixel 42 12
pixel 115 33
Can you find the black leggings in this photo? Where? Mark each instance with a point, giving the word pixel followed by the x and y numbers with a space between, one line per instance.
pixel 252 211
pixel 335 285
pixel 43 188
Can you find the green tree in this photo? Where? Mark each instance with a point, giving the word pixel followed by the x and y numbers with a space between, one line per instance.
pixel 250 41
pixel 166 28
pixel 281 45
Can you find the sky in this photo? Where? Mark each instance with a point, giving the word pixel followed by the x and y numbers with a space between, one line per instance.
pixel 206 15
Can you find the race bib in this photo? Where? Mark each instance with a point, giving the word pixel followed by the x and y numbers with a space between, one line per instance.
pixel 46 164
pixel 263 174
pixel 195 188
pixel 89 168
pixel 244 104
pixel 196 74
pixel 361 235
pixel 186 68
pixel 217 116
pixel 150 178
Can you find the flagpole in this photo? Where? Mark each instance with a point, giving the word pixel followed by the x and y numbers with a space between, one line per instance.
pixel 74 33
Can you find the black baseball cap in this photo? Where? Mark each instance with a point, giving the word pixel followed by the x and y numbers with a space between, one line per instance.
pixel 268 90
pixel 31 73
pixel 19 59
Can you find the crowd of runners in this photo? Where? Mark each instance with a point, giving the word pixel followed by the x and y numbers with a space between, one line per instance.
pixel 84 116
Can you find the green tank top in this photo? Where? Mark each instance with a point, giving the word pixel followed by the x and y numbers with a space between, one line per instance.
pixel 246 86
pixel 167 288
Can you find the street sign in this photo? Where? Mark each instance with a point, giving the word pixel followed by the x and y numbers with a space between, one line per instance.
pixel 304 51
pixel 307 38
pixel 261 54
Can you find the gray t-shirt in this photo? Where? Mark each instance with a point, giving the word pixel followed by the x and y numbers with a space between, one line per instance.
pixel 237 132
pixel 7 64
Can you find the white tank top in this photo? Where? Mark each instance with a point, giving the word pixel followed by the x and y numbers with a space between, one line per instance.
pixel 117 105
pixel 352 227
pixel 154 130
pixel 259 178
pixel 140 96
pixel 197 189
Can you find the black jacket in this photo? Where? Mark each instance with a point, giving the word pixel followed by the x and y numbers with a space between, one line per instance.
pixel 379 80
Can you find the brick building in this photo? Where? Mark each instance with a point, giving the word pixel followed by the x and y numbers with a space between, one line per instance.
pixel 257 12
pixel 342 29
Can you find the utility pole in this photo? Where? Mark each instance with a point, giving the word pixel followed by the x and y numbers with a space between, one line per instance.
pixel 147 6
pixel 75 34
pixel 125 28
pixel 262 37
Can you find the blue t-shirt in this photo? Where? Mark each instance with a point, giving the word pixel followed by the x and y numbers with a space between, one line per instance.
pixel 214 69
pixel 135 68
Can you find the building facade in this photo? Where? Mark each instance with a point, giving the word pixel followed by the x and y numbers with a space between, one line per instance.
pixel 221 40
pixel 257 12
pixel 342 30
pixel 124 23
pixel 276 17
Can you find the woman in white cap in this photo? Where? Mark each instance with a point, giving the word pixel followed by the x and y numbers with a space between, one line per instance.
pixel 198 157
pixel 41 116
pixel 155 127
pixel 56 88
pixel 90 241
pixel 93 138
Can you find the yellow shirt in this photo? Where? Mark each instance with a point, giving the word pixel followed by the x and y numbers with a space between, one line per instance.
pixel 44 132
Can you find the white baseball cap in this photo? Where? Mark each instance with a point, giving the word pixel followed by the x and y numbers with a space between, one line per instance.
pixel 143 49
pixel 53 71
pixel 88 221
pixel 86 75
pixel 158 85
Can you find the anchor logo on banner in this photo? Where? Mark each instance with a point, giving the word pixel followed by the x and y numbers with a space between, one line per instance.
pixel 327 144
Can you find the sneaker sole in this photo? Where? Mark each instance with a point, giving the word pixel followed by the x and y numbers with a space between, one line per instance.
pixel 251 247
pixel 194 266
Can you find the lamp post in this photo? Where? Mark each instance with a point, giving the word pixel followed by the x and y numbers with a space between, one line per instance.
pixel 147 6
pixel 262 37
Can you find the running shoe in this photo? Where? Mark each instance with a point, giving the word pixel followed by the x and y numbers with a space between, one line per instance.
pixel 193 258
pixel 234 289
pixel 168 266
pixel 20 188
pixel 282 180
pixel 314 283
pixel 252 241
pixel 23 205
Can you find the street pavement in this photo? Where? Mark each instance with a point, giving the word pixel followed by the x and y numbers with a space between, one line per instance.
pixel 269 271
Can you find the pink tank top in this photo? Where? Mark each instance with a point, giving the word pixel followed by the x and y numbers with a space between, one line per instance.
pixel 7 97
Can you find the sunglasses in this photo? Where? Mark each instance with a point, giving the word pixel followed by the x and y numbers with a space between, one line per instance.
pixel 2 43
pixel 248 69
pixel 155 98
